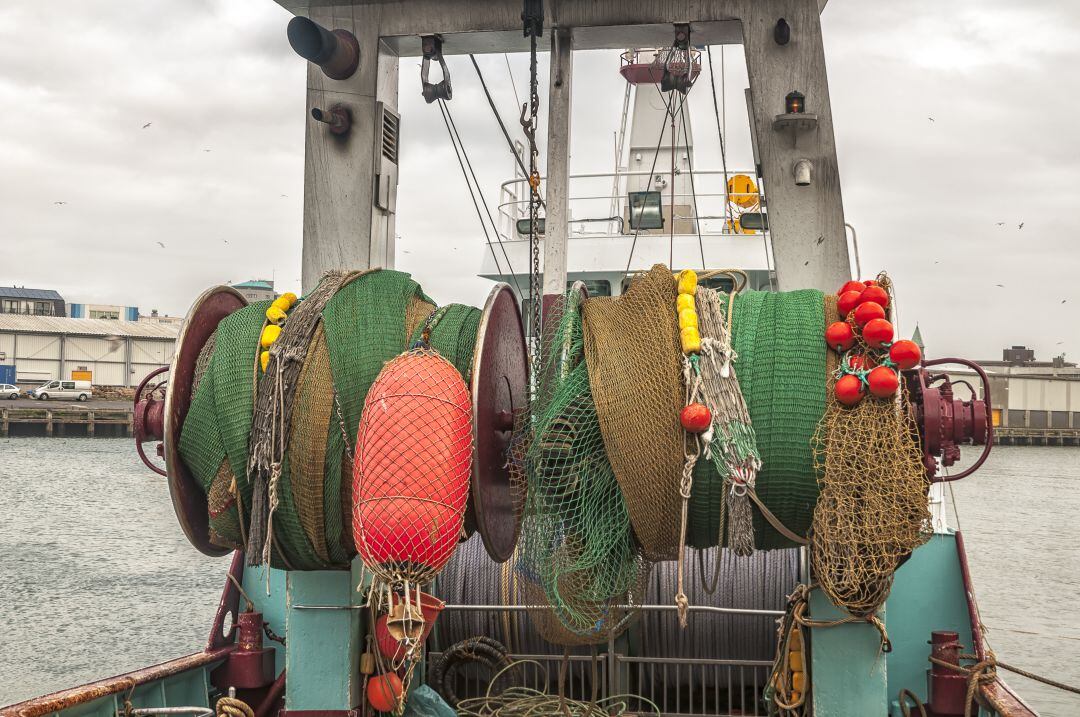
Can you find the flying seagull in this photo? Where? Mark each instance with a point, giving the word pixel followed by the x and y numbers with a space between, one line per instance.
pixel 930 118
pixel 1001 224
pixel 1021 225
pixel 147 125
pixel 821 239
pixel 1000 285
pixel 206 150
pixel 161 245
pixel 1064 300
pixel 60 203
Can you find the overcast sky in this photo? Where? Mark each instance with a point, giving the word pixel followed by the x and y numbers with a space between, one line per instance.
pixel 217 176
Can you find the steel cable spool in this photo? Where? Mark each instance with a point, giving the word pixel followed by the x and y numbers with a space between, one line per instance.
pixel 760 581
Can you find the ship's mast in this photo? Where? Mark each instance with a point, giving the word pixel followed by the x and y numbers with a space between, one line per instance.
pixel 350 187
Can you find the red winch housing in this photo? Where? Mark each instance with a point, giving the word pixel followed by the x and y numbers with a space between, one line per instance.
pixel 946 422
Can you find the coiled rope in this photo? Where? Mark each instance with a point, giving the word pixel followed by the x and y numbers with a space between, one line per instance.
pixel 526 702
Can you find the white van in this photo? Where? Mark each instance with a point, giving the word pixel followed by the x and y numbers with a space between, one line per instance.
pixel 75 390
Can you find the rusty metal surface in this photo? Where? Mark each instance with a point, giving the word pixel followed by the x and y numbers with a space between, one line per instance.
pixel 946 423
pixel 150 417
pixel 188 498
pixel 66 699
pixel 500 382
pixel 998 694
pixel 229 603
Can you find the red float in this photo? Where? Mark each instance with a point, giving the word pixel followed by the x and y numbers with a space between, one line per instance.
pixel 867 312
pixel 875 294
pixel 839 336
pixel 877 333
pixel 851 286
pixel 883 381
pixel 847 301
pixel 695 418
pixel 905 354
pixel 849 389
pixel 384 691
pixel 412 465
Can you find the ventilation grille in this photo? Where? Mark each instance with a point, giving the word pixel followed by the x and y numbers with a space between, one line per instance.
pixel 391 124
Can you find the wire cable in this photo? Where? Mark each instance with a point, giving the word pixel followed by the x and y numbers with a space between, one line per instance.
pixel 502 125
pixel 652 169
pixel 693 190
pixel 462 160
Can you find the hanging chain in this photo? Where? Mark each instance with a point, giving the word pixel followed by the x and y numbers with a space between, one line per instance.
pixel 533 19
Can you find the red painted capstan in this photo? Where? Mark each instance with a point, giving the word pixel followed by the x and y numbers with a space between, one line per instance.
pixel 946 422
pixel 150 417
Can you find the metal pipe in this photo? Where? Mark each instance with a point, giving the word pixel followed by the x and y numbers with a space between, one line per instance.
pixel 337 52
pixel 665 608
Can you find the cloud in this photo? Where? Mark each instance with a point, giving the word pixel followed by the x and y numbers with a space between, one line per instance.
pixel 81 78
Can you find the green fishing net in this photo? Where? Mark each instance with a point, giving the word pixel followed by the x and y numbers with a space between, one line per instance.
pixel 781 367
pixel 364 325
pixel 577 551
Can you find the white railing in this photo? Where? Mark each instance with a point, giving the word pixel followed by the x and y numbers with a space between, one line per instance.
pixel 715 209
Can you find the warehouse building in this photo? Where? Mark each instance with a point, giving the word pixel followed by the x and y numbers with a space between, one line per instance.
pixel 107 352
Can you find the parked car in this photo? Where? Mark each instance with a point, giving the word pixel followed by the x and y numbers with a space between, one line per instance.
pixel 9 391
pixel 76 390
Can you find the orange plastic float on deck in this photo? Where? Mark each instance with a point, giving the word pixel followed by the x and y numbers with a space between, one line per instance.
pixel 411 470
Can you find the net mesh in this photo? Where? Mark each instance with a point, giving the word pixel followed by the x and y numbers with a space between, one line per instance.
pixel 577 551
pixel 633 354
pixel 781 363
pixel 411 472
pixel 872 510
pixel 366 323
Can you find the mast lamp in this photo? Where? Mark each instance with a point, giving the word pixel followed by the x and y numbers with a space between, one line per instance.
pixel 795 102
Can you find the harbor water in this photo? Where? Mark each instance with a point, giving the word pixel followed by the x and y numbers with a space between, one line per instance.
pixel 97 578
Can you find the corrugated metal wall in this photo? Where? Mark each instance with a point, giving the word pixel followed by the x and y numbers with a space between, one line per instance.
pixel 111 363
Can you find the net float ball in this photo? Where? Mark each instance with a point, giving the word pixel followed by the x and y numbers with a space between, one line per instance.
pixel 851 286
pixel 905 354
pixel 877 333
pixel 384 691
pixel 865 313
pixel 848 389
pixel 883 381
pixel 695 418
pixel 412 465
pixel 847 301
pixel 839 336
pixel 875 294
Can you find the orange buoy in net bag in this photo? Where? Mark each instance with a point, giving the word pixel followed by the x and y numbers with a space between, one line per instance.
pixel 411 469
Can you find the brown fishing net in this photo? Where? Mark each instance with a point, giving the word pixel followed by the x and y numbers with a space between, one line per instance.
pixel 633 356
pixel 872 510
pixel 307 441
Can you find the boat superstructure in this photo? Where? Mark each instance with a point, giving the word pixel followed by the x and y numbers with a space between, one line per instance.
pixel 320 617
